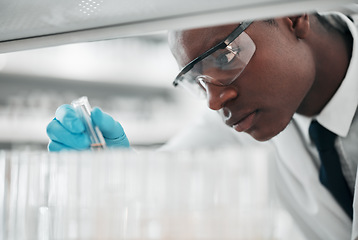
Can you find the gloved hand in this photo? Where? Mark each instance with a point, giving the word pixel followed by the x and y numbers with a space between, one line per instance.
pixel 67 132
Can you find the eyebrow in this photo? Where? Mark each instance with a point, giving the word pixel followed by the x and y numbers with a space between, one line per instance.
pixel 215 40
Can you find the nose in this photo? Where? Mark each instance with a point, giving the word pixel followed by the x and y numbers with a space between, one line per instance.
pixel 217 96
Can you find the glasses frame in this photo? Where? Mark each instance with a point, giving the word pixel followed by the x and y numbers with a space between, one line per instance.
pixel 223 44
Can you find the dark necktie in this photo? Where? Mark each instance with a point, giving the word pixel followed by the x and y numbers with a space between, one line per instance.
pixel 330 174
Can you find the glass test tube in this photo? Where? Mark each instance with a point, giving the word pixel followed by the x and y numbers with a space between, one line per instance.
pixel 83 109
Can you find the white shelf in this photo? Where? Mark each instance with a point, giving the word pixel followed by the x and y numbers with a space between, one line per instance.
pixel 28 25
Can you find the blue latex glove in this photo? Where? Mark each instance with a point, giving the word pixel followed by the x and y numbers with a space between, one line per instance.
pixel 66 131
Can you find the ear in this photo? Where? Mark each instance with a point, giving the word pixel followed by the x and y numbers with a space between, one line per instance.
pixel 300 25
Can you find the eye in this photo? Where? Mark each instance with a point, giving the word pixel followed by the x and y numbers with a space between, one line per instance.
pixel 226 57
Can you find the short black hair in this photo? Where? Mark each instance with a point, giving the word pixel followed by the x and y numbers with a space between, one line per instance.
pixel 332 22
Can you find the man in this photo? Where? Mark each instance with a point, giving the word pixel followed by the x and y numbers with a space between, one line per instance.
pixel 272 79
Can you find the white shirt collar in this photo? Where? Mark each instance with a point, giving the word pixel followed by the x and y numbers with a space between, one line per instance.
pixel 338 114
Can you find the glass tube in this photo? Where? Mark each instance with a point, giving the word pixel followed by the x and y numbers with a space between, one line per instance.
pixel 83 109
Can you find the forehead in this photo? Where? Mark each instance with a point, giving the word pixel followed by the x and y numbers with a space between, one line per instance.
pixel 189 44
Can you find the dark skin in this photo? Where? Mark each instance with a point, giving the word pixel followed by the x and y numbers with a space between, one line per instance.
pixel 297 67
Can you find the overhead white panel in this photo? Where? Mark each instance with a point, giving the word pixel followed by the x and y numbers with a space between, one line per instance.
pixel 28 24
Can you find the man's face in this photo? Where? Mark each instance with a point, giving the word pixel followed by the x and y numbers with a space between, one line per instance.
pixel 263 99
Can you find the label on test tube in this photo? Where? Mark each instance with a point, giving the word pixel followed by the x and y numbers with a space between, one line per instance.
pixel 83 108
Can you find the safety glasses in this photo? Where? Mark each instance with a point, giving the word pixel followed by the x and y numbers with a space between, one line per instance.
pixel 220 65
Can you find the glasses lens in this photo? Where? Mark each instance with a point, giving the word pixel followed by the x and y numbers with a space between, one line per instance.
pixel 221 67
pixel 195 88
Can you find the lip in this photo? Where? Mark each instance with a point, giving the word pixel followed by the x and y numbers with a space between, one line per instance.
pixel 245 123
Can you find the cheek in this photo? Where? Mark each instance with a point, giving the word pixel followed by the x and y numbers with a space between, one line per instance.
pixel 285 75
pixel 282 80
